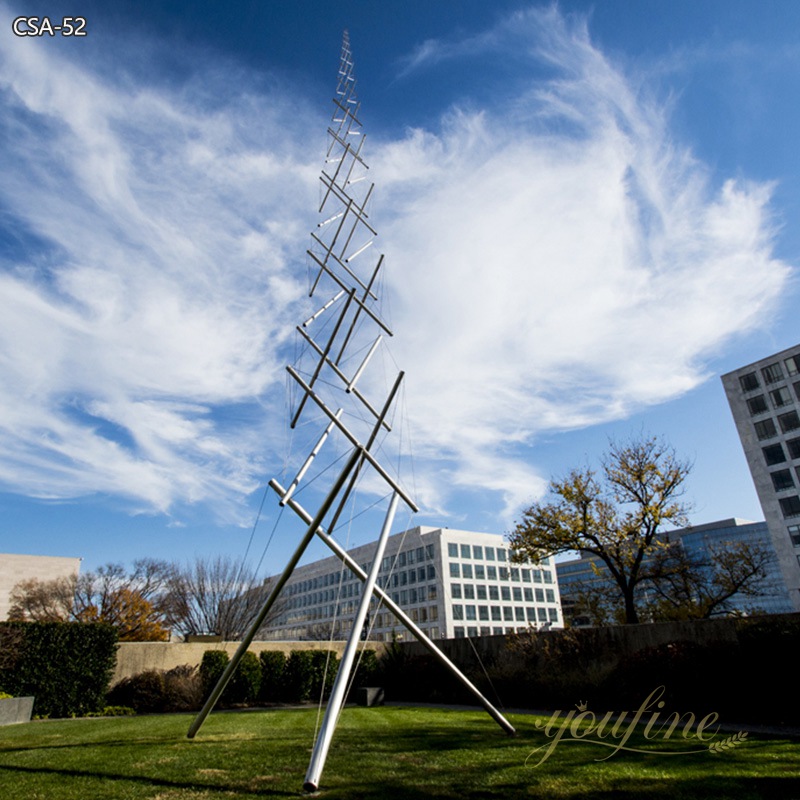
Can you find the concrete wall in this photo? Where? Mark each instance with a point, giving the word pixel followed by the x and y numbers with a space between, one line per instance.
pixel 136 657
pixel 15 568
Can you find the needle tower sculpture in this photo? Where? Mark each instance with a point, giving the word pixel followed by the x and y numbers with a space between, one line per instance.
pixel 339 341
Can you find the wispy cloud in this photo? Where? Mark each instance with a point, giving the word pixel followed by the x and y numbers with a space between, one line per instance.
pixel 555 260
pixel 155 287
pixel 560 261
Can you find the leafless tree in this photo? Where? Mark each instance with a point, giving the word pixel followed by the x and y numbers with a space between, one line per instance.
pixel 216 596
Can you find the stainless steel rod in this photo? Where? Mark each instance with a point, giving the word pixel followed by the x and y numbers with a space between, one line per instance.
pixel 273 595
pixel 336 701
pixel 421 636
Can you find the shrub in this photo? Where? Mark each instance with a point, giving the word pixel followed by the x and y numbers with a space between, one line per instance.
pixel 183 690
pixel 143 692
pixel 155 691
pixel 298 677
pixel 273 665
pixel 323 673
pixel 66 666
pixel 211 668
pixel 367 669
pixel 245 682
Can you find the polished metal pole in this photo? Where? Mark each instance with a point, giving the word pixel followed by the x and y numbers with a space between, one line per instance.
pixel 421 636
pixel 337 698
pixel 273 595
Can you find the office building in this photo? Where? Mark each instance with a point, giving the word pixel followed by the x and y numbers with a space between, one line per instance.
pixel 451 583
pixel 699 542
pixel 765 402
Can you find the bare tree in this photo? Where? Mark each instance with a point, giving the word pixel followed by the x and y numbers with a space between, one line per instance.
pixel 216 596
pixel 690 587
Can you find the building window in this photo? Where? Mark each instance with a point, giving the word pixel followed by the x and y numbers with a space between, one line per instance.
pixel 517 594
pixel 429 551
pixel 483 613
pixel 781 397
pixel 431 572
pixel 757 405
pixel 548 577
pixel 506 593
pixel 455 571
pixel 455 590
pixel 774 454
pixel 494 593
pixel 772 373
pixel 431 592
pixel 469 591
pixel 526 575
pixel 472 631
pixel 458 632
pixel 528 595
pixel 491 573
pixel 496 613
pixel 790 506
pixel 793 445
pixel 508 614
pixel 501 554
pixel 782 480
pixel 503 573
pixel 530 612
pixel 542 614
pixel 794 533
pixel 540 595
pixel 470 613
pixel 480 572
pixel 466 551
pixel 553 614
pixel 452 550
pixel 766 429
pixel 748 382
pixel 789 422
pixel 477 551
pixel 481 590
pixel 792 365
pixel 550 595
pixel 489 553
pixel 519 614
pixel 466 570
pixel 458 612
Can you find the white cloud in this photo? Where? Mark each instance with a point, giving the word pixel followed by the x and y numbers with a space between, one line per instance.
pixel 559 261
pixel 555 260
pixel 156 287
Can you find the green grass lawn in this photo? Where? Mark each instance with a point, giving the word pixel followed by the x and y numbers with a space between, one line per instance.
pixel 380 753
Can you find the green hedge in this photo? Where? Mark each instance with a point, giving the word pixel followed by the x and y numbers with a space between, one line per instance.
pixel 66 666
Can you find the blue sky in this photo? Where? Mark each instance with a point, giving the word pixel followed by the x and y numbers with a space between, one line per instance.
pixel 587 212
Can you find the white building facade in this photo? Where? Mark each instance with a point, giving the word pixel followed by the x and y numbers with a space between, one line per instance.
pixel 451 583
pixel 765 402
